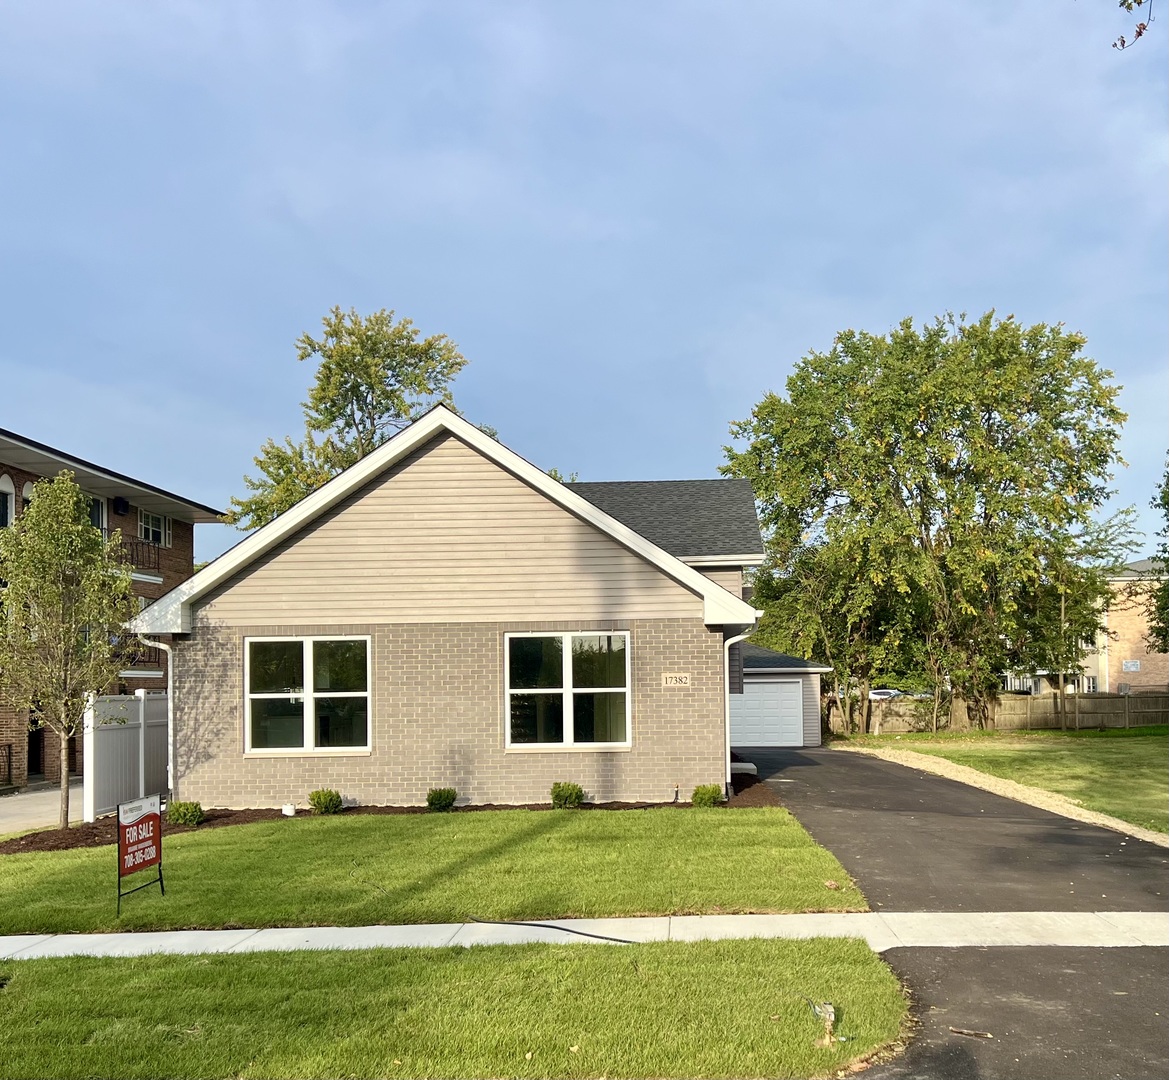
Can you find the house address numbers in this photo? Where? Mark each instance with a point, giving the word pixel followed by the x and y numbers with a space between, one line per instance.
pixel 675 678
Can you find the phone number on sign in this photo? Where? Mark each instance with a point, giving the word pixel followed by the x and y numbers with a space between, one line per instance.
pixel 137 858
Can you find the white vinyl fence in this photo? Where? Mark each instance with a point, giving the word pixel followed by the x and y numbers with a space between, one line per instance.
pixel 125 751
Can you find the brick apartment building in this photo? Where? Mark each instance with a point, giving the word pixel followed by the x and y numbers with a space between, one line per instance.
pixel 157 529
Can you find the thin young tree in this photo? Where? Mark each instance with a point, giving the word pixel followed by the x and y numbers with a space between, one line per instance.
pixel 65 602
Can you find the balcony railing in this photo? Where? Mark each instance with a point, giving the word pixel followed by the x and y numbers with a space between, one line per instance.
pixel 142 553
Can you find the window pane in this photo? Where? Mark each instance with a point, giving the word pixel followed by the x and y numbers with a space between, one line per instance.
pixel 537 718
pixel 276 666
pixel 598 661
pixel 277 722
pixel 342 721
pixel 598 717
pixel 338 665
pixel 96 512
pixel 535 663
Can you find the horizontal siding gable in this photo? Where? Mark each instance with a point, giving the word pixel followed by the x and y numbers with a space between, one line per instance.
pixel 447 535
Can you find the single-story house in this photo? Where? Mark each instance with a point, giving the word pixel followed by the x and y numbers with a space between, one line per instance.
pixel 445 614
pixel 780 702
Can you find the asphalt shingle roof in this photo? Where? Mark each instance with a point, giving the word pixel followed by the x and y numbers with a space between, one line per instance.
pixel 755 657
pixel 687 518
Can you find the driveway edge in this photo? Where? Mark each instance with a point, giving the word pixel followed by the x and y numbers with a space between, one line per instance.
pixel 1009 789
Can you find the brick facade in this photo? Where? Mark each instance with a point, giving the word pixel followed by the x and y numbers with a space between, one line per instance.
pixel 437 716
pixel 1128 627
pixel 175 565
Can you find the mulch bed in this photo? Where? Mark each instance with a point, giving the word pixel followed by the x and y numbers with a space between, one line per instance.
pixel 748 791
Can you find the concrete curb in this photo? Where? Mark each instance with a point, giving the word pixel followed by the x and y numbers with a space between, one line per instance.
pixel 1009 789
pixel 881 930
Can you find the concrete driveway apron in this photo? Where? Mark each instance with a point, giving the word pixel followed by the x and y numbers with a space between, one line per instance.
pixel 918 842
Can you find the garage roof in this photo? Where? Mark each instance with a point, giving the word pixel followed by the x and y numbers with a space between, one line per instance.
pixel 758 659
pixel 699 520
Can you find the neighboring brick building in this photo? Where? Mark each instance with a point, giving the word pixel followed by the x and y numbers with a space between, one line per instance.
pixel 443 614
pixel 1121 662
pixel 157 529
pixel 1124 662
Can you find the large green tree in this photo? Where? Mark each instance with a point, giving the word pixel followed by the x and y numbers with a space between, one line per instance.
pixel 66 600
pixel 374 376
pixel 1158 589
pixel 945 465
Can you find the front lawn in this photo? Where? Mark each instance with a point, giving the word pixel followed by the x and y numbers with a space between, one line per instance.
pixel 355 870
pixel 700 1009
pixel 1122 772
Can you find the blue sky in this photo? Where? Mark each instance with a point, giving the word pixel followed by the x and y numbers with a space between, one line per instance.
pixel 633 218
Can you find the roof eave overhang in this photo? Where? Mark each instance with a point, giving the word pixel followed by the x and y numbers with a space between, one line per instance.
pixel 753 559
pixel 41 460
pixel 172 613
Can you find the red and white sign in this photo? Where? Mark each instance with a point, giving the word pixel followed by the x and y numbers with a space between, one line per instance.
pixel 139 835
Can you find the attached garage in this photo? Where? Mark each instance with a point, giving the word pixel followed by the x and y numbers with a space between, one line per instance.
pixel 779 702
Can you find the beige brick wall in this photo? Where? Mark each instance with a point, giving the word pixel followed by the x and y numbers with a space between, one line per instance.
pixel 437 720
pixel 1128 627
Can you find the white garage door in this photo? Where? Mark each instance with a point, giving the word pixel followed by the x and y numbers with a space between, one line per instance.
pixel 768 714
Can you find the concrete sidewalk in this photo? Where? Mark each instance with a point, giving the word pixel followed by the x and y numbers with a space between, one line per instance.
pixel 882 931
pixel 38 809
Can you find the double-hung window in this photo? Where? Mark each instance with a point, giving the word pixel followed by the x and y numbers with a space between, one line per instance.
pixel 154 528
pixel 567 690
pixel 307 694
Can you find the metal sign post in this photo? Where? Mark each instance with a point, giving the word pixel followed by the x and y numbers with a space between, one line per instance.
pixel 139 842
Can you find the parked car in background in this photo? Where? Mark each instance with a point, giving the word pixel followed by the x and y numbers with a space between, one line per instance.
pixel 883 695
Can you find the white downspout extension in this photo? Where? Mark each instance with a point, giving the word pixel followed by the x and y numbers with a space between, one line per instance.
pixel 727 697
pixel 170 711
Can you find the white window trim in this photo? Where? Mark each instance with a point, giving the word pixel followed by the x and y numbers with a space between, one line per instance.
pixel 309 693
pixel 164 528
pixel 566 691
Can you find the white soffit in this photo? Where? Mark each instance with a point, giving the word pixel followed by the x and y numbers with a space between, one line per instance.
pixel 172 613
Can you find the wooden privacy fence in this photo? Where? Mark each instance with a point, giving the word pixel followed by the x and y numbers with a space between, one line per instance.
pixel 125 751
pixel 1033 712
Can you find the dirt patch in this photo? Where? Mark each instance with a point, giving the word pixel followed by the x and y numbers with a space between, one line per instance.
pixel 103 832
pixel 749 790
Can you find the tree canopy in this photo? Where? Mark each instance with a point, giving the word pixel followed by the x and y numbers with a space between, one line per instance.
pixel 1158 596
pixel 66 600
pixel 933 482
pixel 374 376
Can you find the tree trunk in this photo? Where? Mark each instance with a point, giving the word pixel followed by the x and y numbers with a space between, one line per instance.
pixel 865 707
pixel 64 822
pixel 1063 704
pixel 937 706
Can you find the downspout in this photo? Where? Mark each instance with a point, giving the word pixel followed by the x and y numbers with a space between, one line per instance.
pixel 727 699
pixel 170 711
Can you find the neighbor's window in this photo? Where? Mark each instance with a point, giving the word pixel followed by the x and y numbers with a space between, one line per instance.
pixel 568 689
pixel 153 527
pixel 307 693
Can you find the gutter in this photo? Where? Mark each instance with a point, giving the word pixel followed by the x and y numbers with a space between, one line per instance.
pixel 727 699
pixel 170 710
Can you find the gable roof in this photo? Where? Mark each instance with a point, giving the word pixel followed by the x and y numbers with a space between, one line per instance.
pixel 699 521
pixel 172 614
pixel 1142 568
pixel 20 452
pixel 756 658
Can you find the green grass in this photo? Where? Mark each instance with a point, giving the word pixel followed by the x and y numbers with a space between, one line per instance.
pixel 354 870
pixel 699 1009
pixel 1120 772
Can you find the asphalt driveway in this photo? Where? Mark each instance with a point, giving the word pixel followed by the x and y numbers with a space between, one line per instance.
pixel 919 842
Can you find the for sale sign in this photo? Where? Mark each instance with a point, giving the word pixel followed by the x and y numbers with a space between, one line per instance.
pixel 139 841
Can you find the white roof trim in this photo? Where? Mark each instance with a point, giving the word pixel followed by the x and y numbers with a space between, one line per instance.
pixel 724 560
pixel 172 613
pixel 749 671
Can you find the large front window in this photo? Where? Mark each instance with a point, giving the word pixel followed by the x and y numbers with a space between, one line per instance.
pixel 307 693
pixel 568 689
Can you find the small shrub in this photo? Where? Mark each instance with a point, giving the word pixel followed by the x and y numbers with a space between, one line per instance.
pixel 707 795
pixel 185 813
pixel 566 796
pixel 439 799
pixel 325 801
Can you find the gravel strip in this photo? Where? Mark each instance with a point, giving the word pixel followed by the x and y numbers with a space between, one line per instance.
pixel 1009 789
